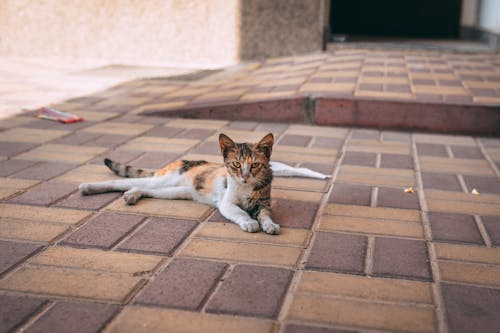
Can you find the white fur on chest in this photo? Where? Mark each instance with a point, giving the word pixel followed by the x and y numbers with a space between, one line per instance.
pixel 236 192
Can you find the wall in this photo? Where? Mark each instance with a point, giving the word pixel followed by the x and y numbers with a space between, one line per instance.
pixel 188 33
pixel 489 16
pixel 164 32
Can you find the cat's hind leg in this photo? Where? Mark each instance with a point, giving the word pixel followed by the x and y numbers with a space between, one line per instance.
pixel 177 192
pixel 283 170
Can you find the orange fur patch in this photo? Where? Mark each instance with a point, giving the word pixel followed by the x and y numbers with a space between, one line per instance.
pixel 169 168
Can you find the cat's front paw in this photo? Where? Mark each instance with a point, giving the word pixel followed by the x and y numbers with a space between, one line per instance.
pixel 251 226
pixel 271 228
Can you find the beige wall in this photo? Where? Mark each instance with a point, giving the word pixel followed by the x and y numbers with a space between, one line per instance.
pixel 197 33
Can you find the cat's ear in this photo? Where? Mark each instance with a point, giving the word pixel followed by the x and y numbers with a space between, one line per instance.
pixel 225 144
pixel 266 144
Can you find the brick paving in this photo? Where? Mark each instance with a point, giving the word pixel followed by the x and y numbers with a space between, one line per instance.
pixel 356 252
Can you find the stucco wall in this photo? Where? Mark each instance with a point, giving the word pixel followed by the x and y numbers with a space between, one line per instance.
pixel 165 32
pixel 197 33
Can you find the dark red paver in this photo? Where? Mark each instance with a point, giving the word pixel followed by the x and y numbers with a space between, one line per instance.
pixel 295 140
pixel 404 258
pixel 92 202
pixel 396 161
pixel 74 317
pixel 441 181
pixel 164 131
pixel 185 284
pixel 252 291
pixel 108 140
pixel 471 309
pixel 159 235
pixel 397 198
pixel 104 230
pixel 351 194
pixel 492 225
pixel 327 143
pixel 356 158
pixel 14 310
pixel 467 152
pixel 432 149
pixel 338 252
pixel 294 213
pixel 208 148
pixel 45 193
pixel 483 184
pixel 44 171
pixel 154 160
pixel 9 167
pixel 450 227
pixel 13 252
pixel 196 134
pixel 10 149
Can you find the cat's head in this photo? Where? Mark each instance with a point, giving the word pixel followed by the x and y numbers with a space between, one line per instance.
pixel 247 163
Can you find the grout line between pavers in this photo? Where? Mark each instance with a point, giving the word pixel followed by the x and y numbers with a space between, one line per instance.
pixel 129 233
pixel 461 181
pixel 488 157
pixel 433 261
pixel 43 309
pixel 482 230
pixel 370 253
pixel 288 297
pixel 216 287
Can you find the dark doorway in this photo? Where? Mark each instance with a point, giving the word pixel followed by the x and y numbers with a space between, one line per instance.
pixel 396 18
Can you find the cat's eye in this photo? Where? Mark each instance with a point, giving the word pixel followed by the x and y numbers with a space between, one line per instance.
pixel 237 164
pixel 255 165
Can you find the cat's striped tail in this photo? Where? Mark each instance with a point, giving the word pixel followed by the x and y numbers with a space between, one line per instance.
pixel 127 170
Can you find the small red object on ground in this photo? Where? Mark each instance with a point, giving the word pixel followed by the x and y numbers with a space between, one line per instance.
pixel 56 115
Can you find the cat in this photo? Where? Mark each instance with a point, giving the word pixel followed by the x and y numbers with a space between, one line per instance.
pixel 240 187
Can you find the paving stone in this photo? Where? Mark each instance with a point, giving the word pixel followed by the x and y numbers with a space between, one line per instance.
pixel 62 153
pixel 456 165
pixel 77 138
pixel 303 184
pixel 441 181
pixel 470 253
pixel 349 253
pixel 44 170
pixel 10 167
pixel 89 202
pixel 156 144
pixel 326 169
pixel 198 123
pixel 44 214
pixel 145 320
pixel 154 160
pixel 184 284
pixel 293 328
pixel 207 148
pixel 228 230
pixel 122 156
pixel 373 212
pixel 295 140
pixel 402 258
pixel 467 152
pixel 14 310
pixel 27 230
pixel 431 149
pixel 492 225
pixel 10 149
pixel 462 203
pixel 44 194
pixel 242 252
pixel 396 161
pixel 471 308
pixel 103 231
pixel 367 288
pixel 164 131
pixel 252 291
pixel 31 135
pixel 397 198
pixel 376 176
pixel 351 194
pixel 294 213
pixel 74 317
pixel 356 158
pixel 371 146
pixel 119 128
pixel 483 184
pixel 365 134
pixel 159 236
pixel 370 226
pixel 454 228
pixel 181 209
pixel 48 280
pixel 12 253
pixel 359 313
pixel 327 143
pixel 108 140
pixel 195 133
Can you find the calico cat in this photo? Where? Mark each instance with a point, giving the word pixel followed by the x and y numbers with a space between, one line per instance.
pixel 240 188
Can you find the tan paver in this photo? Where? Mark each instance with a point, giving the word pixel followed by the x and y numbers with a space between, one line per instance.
pixel 154 144
pixel 12 228
pixel 374 212
pixel 470 273
pixel 31 135
pixel 288 236
pixel 62 153
pixel 296 195
pixel 182 209
pixel 242 252
pixel 195 123
pixel 479 254
pixel 88 173
pixel 376 176
pixel 119 128
pixel 455 165
pixel 45 214
pixel 369 146
pixel 136 319
pixel 301 184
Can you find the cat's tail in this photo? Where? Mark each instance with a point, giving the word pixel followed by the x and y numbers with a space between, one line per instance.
pixel 127 170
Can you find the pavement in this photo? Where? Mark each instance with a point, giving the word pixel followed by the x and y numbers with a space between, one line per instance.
pixel 403 238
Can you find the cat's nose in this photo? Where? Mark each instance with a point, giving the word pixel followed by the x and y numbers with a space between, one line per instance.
pixel 245 178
